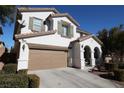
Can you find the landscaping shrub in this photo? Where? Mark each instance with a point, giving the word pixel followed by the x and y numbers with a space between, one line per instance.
pixel 8 58
pixel 10 68
pixel 121 66
pixel 119 74
pixel 111 66
pixel 34 81
pixel 13 81
pixel 24 71
pixel 1 72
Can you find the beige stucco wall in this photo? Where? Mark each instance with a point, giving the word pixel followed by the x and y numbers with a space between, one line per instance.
pixel 76 55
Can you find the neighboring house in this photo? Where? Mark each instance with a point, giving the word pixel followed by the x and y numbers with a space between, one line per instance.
pixel 45 39
pixel 2 48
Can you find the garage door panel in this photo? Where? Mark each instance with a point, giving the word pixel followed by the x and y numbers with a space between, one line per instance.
pixel 47 59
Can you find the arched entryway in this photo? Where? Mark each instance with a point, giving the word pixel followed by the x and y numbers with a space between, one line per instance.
pixel 87 56
pixel 97 55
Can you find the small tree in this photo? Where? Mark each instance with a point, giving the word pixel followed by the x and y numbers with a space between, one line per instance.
pixel 113 41
pixel 103 36
pixel 6 14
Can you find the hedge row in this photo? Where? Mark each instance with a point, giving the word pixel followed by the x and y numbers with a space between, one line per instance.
pixel 11 78
pixel 19 81
pixel 24 71
pixel 14 81
pixel 10 69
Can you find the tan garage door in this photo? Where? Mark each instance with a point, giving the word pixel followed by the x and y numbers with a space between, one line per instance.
pixel 46 59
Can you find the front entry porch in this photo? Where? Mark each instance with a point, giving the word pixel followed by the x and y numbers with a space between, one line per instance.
pixel 90 54
pixel 85 54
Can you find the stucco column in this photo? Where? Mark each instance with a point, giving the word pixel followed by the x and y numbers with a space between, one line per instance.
pixel 82 58
pixel 92 58
pixel 23 56
pixel 100 57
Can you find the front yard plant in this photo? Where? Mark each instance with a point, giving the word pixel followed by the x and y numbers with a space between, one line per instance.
pixel 10 68
pixel 13 81
pixel 33 81
pixel 117 69
pixel 11 78
pixel 111 66
pixel 119 74
pixel 24 71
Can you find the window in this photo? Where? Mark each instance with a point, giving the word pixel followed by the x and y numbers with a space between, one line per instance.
pixel 37 23
pixel 65 30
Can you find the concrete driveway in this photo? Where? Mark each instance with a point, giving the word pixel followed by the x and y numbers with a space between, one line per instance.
pixel 71 78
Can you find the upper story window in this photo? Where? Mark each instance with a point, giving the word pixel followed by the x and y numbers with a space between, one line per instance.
pixel 36 24
pixel 65 29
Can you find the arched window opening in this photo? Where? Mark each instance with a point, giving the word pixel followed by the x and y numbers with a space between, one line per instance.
pixel 87 56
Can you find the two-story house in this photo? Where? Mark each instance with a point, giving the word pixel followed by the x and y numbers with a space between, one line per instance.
pixel 45 39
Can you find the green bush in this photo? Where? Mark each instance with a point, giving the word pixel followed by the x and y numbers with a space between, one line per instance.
pixel 34 81
pixel 119 74
pixel 111 66
pixel 121 66
pixel 1 72
pixel 10 68
pixel 24 71
pixel 13 81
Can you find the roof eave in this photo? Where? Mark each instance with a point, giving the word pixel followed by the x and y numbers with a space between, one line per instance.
pixel 65 15
pixel 84 38
pixel 82 31
pixel 22 36
pixel 90 36
pixel 98 40
pixel 23 9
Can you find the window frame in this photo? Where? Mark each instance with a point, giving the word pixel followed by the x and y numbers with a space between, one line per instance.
pixel 67 28
pixel 35 18
pixel 66 24
pixel 31 22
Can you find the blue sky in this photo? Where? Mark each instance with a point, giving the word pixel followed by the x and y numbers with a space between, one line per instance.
pixel 90 18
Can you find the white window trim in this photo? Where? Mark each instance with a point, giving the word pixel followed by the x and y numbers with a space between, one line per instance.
pixel 40 26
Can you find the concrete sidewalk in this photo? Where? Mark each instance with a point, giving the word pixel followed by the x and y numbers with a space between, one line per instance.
pixel 71 78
